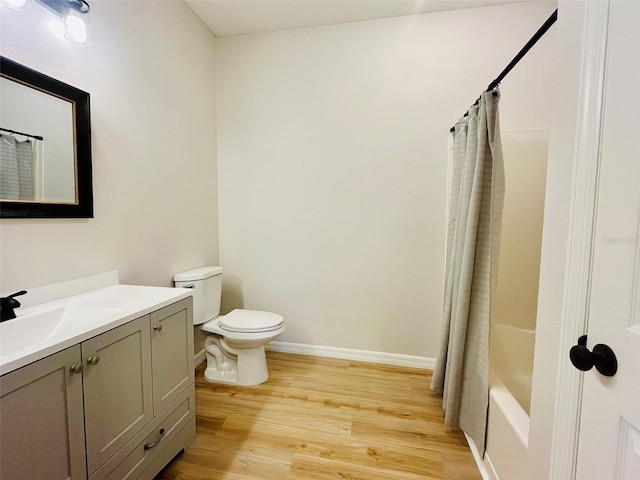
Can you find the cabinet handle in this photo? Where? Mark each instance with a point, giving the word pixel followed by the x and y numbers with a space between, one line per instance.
pixel 149 446
pixel 157 327
pixel 93 360
pixel 77 368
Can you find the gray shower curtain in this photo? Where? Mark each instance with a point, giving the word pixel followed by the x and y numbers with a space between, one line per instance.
pixel 16 169
pixel 473 240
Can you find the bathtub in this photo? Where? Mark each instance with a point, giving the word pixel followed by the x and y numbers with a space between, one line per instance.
pixel 511 361
pixel 507 434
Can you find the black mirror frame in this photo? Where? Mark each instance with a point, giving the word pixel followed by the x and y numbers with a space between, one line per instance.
pixel 82 116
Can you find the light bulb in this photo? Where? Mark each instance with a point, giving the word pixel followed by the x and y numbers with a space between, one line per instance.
pixel 76 27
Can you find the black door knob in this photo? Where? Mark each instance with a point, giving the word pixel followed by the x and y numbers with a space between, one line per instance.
pixel 602 357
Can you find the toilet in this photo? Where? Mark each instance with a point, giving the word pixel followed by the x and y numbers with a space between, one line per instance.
pixel 234 343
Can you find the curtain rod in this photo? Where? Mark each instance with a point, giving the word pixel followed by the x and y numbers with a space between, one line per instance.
pixel 537 36
pixel 37 137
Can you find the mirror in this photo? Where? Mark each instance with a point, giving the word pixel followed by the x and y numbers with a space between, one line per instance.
pixel 45 146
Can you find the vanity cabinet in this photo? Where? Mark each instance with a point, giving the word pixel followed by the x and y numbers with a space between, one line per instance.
pixel 136 383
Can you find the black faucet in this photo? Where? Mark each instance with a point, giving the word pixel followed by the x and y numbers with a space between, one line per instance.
pixel 8 304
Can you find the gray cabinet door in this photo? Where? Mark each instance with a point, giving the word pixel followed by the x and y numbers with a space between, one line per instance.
pixel 117 389
pixel 172 352
pixel 41 420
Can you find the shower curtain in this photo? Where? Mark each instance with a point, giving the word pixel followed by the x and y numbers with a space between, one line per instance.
pixel 19 169
pixel 461 373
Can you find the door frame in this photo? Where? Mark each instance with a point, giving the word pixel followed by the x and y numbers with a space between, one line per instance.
pixel 581 241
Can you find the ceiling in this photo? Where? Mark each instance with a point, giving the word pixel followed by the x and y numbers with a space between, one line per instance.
pixel 237 17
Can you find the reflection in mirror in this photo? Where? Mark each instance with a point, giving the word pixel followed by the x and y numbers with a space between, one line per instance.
pixel 37 161
pixel 45 146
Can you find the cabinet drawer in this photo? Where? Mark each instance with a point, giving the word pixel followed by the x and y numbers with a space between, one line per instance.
pixel 136 455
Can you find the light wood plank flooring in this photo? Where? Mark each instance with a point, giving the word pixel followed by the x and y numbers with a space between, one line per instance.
pixel 320 419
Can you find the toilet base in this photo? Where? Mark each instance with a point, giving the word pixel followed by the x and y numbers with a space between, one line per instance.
pixel 234 366
pixel 216 376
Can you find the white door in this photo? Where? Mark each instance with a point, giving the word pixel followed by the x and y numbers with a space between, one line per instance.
pixel 609 431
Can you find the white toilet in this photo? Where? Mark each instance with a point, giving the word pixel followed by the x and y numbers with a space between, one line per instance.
pixel 234 343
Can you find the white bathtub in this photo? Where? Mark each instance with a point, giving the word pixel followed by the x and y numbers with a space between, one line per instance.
pixel 509 400
pixel 511 359
pixel 507 434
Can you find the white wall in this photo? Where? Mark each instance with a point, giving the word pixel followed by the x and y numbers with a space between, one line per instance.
pixel 150 72
pixel 554 238
pixel 332 151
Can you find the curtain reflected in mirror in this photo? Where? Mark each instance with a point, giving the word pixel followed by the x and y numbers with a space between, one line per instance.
pixel 20 169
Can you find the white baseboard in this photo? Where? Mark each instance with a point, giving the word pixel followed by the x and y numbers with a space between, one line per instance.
pixel 485 467
pixel 384 358
pixel 199 357
pixel 493 475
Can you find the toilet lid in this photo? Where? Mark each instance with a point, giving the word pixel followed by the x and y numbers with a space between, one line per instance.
pixel 250 321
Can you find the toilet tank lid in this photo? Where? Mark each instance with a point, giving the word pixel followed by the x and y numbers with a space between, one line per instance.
pixel 197 274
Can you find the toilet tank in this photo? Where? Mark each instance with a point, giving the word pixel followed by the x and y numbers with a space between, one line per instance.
pixel 206 283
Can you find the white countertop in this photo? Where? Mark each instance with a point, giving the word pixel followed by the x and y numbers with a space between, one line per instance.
pixel 117 305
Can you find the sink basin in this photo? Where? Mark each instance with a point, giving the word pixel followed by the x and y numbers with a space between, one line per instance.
pixel 66 314
pixel 32 328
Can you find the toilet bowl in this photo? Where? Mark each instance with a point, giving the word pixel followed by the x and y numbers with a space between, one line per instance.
pixel 234 343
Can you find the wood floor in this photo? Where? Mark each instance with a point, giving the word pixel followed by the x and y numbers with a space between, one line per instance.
pixel 320 419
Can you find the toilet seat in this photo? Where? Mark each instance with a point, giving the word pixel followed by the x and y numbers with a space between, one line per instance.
pixel 250 321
